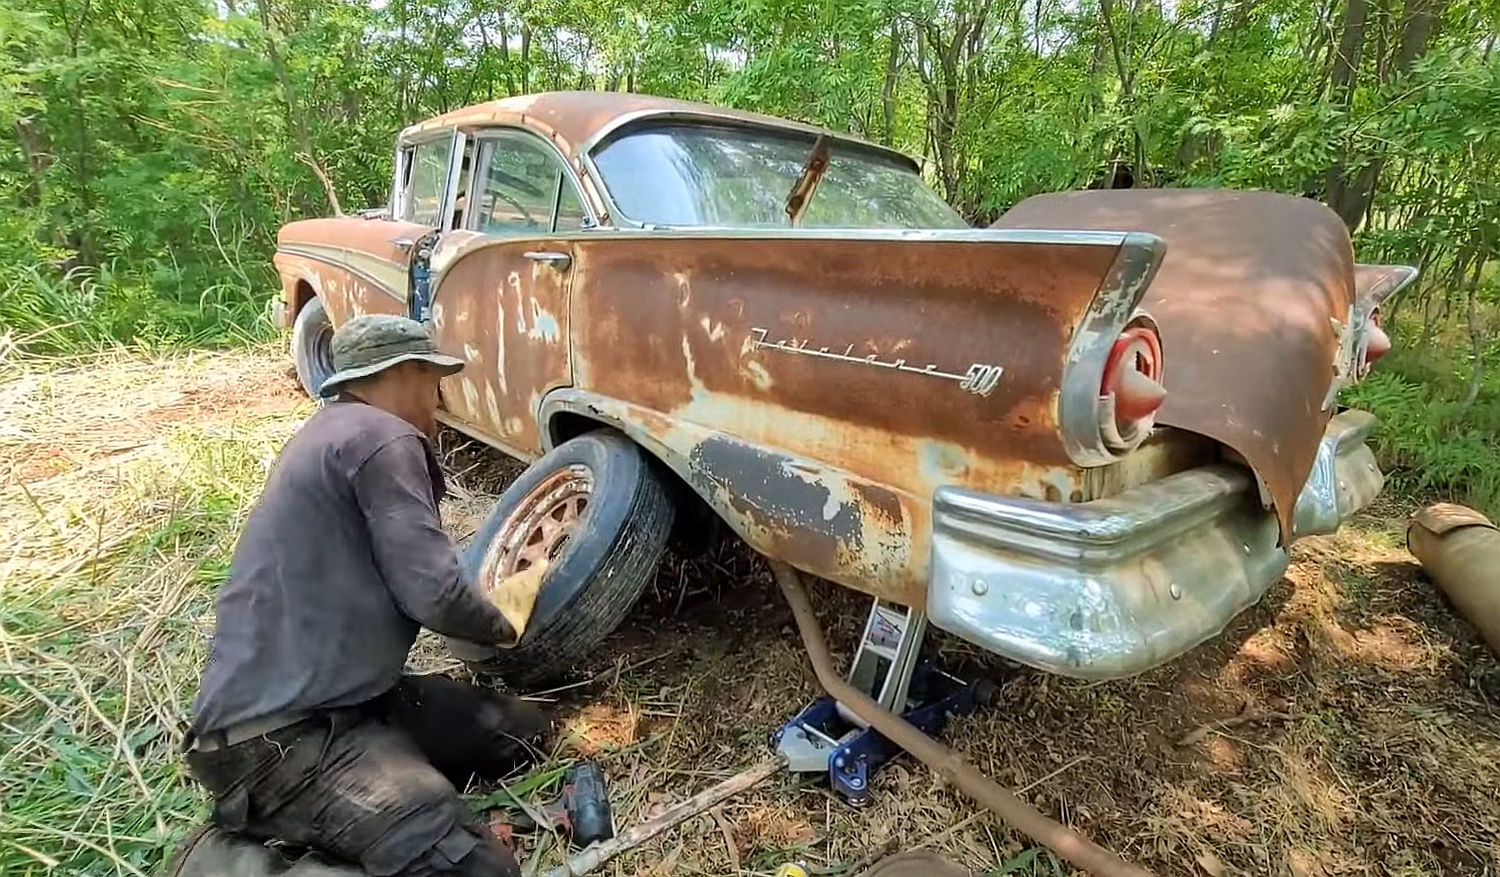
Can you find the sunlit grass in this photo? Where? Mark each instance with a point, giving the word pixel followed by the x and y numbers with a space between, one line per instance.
pixel 108 584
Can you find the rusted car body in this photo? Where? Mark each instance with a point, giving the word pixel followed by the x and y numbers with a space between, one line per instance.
pixel 874 392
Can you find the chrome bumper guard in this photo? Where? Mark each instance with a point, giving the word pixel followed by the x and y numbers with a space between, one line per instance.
pixel 1114 587
pixel 1344 477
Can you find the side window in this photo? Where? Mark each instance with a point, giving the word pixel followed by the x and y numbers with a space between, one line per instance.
pixel 570 213
pixel 519 189
pixel 427 181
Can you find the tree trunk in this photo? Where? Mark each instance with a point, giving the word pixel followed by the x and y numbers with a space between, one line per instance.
pixel 525 59
pixel 1349 196
pixel 296 119
pixel 1417 23
pixel 1352 196
pixel 1351 44
pixel 1127 83
pixel 1477 338
pixel 888 88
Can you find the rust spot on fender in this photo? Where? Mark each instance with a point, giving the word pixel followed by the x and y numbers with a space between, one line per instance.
pixel 880 501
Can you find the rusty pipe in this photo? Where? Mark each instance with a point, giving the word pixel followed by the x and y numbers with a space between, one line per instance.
pixel 1460 550
pixel 1052 834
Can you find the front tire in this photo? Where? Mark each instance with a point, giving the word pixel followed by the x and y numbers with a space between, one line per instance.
pixel 312 351
pixel 598 509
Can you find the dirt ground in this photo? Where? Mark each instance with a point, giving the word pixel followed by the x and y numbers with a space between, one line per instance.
pixel 1346 725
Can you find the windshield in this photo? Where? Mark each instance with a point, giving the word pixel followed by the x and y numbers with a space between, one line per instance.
pixel 687 175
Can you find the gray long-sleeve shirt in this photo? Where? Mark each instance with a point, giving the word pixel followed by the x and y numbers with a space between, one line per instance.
pixel 339 564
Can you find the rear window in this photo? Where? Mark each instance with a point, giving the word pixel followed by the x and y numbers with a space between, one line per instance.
pixel 705 175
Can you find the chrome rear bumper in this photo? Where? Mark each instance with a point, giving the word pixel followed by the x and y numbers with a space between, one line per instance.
pixel 1111 588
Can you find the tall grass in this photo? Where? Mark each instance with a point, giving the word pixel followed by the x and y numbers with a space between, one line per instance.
pixel 104 614
pixel 90 309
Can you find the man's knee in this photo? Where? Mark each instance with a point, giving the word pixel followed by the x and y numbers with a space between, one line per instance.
pixel 463 730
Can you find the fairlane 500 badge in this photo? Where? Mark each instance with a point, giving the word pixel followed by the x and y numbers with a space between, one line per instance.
pixel 981 378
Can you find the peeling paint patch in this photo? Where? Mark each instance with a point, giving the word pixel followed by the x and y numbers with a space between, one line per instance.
pixel 883 503
pixel 500 341
pixel 692 373
pixel 543 325
pixel 768 491
pixel 491 404
pixel 514 280
pixel 471 396
pixel 514 425
pixel 758 375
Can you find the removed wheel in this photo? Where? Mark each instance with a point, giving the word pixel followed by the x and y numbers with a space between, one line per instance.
pixel 598 511
pixel 312 352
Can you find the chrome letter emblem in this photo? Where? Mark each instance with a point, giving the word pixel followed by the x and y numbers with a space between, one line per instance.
pixel 981 378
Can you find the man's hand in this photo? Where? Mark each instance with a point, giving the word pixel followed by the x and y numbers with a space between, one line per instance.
pixel 515 596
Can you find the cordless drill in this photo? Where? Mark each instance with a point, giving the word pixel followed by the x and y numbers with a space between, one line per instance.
pixel 581 812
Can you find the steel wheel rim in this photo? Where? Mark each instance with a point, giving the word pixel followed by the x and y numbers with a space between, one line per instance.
pixel 541 526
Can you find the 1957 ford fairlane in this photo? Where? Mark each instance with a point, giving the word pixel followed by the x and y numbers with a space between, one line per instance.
pixel 1082 438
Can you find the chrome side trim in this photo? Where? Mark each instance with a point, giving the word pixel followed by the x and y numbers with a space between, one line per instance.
pixel 1105 589
pixel 1390 282
pixel 346 260
pixel 1083 370
pixel 951 235
pixel 1344 477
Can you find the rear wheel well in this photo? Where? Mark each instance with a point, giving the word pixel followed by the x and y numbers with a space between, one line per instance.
pixel 696 520
pixel 566 425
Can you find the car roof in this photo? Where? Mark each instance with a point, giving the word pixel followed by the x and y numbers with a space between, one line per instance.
pixel 576 121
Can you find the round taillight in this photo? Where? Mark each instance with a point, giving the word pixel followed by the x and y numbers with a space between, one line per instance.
pixel 1377 343
pixel 1131 390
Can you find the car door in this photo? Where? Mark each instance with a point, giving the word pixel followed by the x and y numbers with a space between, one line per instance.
pixel 377 252
pixel 502 286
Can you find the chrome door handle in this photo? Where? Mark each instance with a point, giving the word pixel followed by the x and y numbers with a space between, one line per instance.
pixel 403 244
pixel 560 261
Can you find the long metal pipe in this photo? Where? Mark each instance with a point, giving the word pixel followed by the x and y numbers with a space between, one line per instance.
pixel 1460 549
pixel 1064 841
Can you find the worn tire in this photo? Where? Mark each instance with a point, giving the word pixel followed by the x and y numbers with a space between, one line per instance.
pixel 600 571
pixel 312 336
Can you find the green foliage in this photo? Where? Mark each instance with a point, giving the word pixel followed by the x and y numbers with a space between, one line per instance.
pixel 1430 444
pixel 153 149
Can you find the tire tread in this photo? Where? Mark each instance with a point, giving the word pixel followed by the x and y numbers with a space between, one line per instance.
pixel 623 576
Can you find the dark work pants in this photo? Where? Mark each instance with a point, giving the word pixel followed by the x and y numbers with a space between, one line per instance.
pixel 361 784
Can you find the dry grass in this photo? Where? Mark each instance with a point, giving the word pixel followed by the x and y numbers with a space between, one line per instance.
pixel 1346 725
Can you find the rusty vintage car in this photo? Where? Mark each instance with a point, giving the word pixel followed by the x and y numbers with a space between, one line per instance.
pixel 1083 438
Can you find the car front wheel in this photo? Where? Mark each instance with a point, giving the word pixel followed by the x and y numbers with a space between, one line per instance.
pixel 597 510
pixel 312 351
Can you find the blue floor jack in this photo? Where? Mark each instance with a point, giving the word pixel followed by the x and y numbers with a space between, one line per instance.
pixel 827 737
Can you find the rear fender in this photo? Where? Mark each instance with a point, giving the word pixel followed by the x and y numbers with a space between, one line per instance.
pixel 1256 305
pixel 818 517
